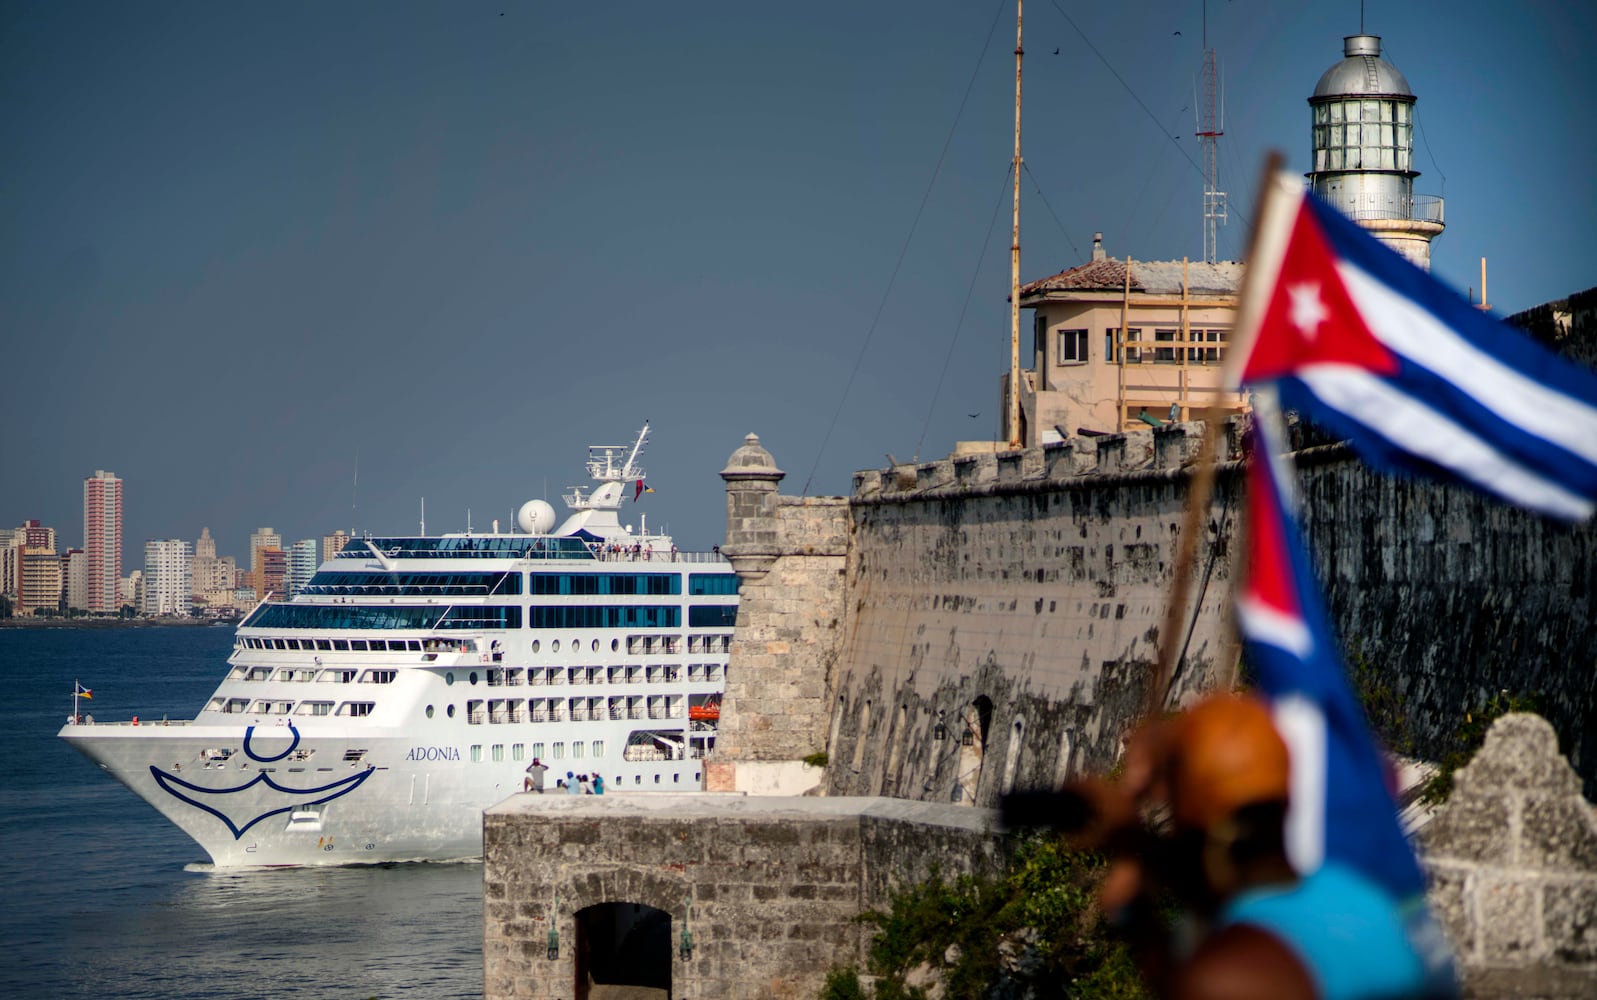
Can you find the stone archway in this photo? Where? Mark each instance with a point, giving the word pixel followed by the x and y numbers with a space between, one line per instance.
pixel 975 719
pixel 623 952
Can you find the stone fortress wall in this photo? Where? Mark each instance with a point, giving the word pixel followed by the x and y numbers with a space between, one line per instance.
pixel 1016 599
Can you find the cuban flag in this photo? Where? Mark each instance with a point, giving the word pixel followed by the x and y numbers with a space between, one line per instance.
pixel 1372 347
pixel 1342 806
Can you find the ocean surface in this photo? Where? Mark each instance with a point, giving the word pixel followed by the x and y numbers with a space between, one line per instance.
pixel 102 897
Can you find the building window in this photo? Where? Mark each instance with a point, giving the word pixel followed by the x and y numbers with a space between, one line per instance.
pixel 1072 347
pixel 1165 355
pixel 1132 355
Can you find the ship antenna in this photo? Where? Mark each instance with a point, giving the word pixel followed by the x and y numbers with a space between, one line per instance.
pixel 424 517
pixel 354 496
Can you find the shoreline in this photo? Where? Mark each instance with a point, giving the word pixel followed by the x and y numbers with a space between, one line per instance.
pixel 25 623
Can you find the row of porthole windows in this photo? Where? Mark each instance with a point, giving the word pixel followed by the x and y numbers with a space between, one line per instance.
pixel 654 673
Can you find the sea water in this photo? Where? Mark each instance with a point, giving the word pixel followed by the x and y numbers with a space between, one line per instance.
pixel 102 897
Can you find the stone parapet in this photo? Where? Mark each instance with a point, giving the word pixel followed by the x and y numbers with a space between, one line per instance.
pixel 768 887
pixel 1512 862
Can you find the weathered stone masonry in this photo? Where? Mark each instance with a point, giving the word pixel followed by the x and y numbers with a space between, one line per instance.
pixel 1019 597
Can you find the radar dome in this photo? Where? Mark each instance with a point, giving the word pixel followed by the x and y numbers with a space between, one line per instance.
pixel 536 517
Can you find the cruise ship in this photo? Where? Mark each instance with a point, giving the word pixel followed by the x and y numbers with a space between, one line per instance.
pixel 412 682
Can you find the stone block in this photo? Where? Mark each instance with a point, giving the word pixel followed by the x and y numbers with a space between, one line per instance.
pixel 1510 933
pixel 1569 914
pixel 1558 834
pixel 1447 890
pixel 1477 831
pixel 1520 753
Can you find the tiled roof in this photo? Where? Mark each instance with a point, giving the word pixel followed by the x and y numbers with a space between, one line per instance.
pixel 1153 277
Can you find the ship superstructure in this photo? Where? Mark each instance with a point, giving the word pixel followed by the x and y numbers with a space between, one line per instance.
pixel 413 680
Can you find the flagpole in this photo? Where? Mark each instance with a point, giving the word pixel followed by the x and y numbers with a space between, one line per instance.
pixel 1200 492
pixel 76 686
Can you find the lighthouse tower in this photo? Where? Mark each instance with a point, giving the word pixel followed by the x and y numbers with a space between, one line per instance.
pixel 1364 150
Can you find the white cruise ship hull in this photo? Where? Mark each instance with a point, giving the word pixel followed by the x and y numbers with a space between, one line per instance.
pixel 410 684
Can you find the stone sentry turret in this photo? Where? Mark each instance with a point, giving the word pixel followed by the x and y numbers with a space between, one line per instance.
pixel 1363 150
pixel 751 479
pixel 789 555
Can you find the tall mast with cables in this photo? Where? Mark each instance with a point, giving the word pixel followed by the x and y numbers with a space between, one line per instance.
pixel 1211 126
pixel 1015 439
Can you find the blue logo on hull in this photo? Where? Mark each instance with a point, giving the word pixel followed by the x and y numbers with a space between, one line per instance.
pixel 203 798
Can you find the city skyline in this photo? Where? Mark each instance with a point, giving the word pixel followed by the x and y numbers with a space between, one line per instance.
pixel 305 266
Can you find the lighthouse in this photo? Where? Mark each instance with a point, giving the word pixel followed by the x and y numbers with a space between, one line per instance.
pixel 1363 155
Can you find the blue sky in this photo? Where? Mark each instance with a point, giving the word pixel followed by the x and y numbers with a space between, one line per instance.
pixel 243 244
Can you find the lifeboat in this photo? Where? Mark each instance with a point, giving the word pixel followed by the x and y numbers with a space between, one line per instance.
pixel 710 711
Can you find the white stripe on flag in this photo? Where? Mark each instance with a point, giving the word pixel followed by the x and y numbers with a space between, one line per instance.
pixel 1420 430
pixel 1414 332
pixel 1265 624
pixel 1301 724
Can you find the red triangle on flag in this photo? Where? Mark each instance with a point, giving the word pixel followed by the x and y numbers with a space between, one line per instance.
pixel 1311 319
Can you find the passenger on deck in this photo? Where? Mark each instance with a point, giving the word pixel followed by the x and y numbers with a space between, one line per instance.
pixel 572 788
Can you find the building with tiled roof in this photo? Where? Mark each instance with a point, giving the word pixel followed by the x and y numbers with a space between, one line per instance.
pixel 1087 375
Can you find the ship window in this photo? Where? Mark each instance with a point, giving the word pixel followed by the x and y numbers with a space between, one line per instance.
pixel 535 645
pixel 637 779
pixel 335 676
pixel 323 644
pixel 576 750
pixel 450 711
pixel 237 706
pixel 594 646
pixel 472 677
pixel 498 751
pixel 657 779
pixel 315 708
pixel 559 751
pixel 414 645
pixel 359 645
pixel 357 709
pixel 615 645
pixel 554 646
pixel 537 750
pixel 341 644
pixel 476 753
pixel 518 751
pixel 429 711
pixel 474 712
pixel 379 676
pixel 577 675
pixel 449 678
pixel 598 748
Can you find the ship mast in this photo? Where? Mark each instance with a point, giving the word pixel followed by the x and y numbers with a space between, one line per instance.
pixel 1014 257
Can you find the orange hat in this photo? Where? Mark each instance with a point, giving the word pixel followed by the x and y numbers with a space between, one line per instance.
pixel 1225 753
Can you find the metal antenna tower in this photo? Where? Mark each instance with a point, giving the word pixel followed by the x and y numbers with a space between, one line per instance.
pixel 1211 126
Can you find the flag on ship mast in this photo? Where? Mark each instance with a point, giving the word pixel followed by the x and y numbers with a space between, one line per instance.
pixel 79 691
pixel 1362 341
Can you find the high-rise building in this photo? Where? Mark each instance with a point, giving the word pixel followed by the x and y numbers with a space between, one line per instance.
pixel 75 565
pixel 102 541
pixel 333 544
pixel 38 580
pixel 213 578
pixel 17 542
pixel 301 565
pixel 168 581
pixel 272 577
pixel 205 547
pixel 265 538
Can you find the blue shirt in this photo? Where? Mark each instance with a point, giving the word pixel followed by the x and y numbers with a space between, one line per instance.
pixel 1344 929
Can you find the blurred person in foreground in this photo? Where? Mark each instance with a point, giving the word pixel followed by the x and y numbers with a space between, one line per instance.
pixel 1218 776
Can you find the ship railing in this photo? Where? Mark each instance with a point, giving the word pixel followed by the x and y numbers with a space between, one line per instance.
pixel 88 720
pixel 474 718
pixel 540 715
pixel 618 714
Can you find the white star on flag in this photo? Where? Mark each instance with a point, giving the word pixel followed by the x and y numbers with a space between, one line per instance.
pixel 1308 312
